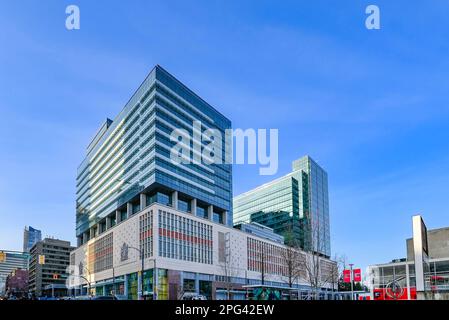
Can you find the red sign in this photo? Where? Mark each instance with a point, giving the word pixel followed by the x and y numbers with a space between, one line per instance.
pixel 346 276
pixel 357 275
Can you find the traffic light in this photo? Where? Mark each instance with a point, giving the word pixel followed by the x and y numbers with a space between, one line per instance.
pixel 2 256
pixel 41 259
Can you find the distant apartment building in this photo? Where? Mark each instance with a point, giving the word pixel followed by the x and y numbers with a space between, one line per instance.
pixel 297 204
pixel 149 227
pixel 9 262
pixel 53 271
pixel 30 237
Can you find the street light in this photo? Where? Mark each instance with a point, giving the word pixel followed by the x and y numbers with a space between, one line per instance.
pixel 142 258
pixel 352 281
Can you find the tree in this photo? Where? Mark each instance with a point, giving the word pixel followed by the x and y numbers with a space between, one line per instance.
pixel 226 262
pixel 317 271
pixel 291 258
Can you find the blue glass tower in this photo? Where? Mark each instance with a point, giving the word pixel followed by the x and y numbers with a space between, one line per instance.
pixel 296 205
pixel 128 165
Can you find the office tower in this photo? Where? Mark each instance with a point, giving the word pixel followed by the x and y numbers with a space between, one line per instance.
pixel 30 237
pixel 152 228
pixel 296 205
pixel 128 162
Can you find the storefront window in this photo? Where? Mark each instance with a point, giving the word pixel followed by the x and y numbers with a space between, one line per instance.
pixel 148 282
pixel 162 292
pixel 206 289
pixel 132 286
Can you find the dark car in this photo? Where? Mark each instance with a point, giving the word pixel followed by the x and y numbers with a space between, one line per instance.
pixel 104 298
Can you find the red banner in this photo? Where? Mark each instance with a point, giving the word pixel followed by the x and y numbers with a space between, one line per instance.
pixel 346 276
pixel 357 275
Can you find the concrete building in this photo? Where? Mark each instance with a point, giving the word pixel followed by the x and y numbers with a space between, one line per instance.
pixel 396 280
pixel 30 237
pixel 181 253
pixel 438 244
pixel 53 271
pixel 9 262
pixel 148 226
pixel 296 203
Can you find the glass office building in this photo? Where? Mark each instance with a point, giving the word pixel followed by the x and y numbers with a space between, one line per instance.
pixel 128 165
pixel 295 205
pixel 30 237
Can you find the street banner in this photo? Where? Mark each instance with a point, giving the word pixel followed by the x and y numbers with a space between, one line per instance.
pixel 346 276
pixel 357 275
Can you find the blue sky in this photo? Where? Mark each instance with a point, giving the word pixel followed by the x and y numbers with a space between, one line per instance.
pixel 370 106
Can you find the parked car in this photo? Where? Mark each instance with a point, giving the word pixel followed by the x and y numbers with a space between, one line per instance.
pixel 104 298
pixel 193 296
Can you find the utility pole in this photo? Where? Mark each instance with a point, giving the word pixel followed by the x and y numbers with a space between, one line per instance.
pixel 352 282
pixel 142 259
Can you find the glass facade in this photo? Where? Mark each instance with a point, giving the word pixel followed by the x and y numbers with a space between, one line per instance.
pixel 296 204
pixel 316 213
pixel 30 237
pixel 132 153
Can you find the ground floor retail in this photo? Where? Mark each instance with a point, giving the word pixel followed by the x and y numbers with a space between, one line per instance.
pixel 163 284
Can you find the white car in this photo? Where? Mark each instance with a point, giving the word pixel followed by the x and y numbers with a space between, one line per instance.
pixel 192 296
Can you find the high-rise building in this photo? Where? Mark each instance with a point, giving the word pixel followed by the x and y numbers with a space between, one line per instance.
pixel 150 227
pixel 10 261
pixel 296 205
pixel 128 161
pixel 30 237
pixel 52 269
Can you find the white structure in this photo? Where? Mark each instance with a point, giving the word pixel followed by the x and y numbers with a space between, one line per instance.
pixel 186 252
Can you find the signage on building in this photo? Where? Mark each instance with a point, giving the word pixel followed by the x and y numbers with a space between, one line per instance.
pixel 2 256
pixel 420 248
pixel 41 259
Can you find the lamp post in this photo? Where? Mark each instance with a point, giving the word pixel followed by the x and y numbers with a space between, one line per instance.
pixel 142 258
pixel 352 281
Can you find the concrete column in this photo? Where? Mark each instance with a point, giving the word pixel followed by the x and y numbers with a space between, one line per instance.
pixel 193 205
pixel 117 217
pixel 129 209
pixel 225 218
pixel 197 284
pixel 85 236
pixel 108 223
pixel 92 233
pixel 174 200
pixel 181 279
pixel 125 287
pixel 156 283
pixel 139 285
pixel 143 201
pixel 210 212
